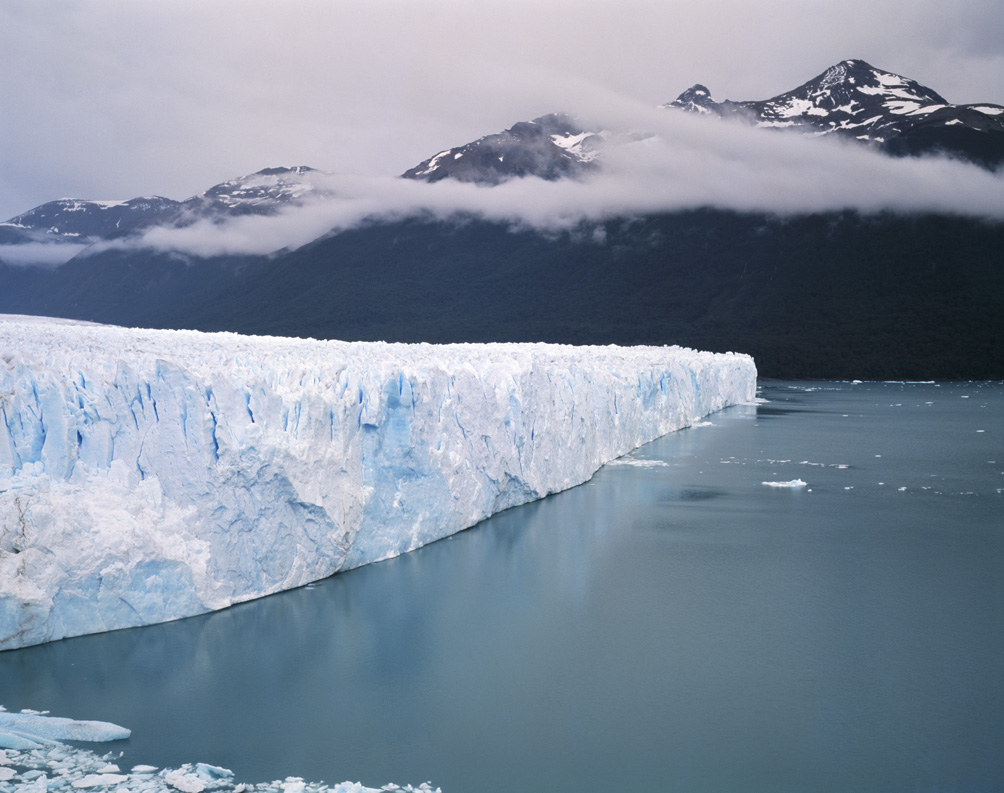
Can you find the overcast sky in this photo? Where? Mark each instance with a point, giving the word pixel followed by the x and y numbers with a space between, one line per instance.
pixel 111 99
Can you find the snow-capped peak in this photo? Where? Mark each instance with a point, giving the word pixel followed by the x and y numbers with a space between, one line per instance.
pixel 264 190
pixel 550 147
pixel 82 222
pixel 851 98
pixel 696 99
pixel 854 84
pixel 855 99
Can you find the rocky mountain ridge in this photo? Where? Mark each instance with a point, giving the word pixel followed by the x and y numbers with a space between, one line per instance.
pixel 851 98
pixel 81 222
pixel 856 100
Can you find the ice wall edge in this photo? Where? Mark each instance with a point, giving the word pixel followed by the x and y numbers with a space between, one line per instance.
pixel 150 475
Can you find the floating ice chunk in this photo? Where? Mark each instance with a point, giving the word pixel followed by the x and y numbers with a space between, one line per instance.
pixel 185 782
pixel 638 463
pixel 31 731
pixel 67 768
pixel 789 483
pixel 102 780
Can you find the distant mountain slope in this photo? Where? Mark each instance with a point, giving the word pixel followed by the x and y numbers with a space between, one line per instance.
pixel 80 222
pixel 75 220
pixel 835 295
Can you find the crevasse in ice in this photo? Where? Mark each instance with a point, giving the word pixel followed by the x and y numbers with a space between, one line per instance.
pixel 149 475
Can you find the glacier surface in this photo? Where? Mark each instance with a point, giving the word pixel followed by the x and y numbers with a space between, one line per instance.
pixel 150 475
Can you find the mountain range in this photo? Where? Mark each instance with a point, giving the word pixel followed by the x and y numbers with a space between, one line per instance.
pixel 834 294
pixel 852 99
pixel 76 221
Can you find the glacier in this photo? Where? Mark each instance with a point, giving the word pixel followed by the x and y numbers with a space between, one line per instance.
pixel 149 475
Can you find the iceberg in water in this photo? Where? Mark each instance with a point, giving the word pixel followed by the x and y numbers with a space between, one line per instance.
pixel 31 730
pixel 149 475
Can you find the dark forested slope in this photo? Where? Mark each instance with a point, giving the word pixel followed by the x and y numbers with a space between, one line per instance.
pixel 835 295
pixel 818 296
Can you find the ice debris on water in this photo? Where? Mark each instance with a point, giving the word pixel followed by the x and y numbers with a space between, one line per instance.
pixel 637 462
pixel 66 769
pixel 148 475
pixel 33 760
pixel 790 483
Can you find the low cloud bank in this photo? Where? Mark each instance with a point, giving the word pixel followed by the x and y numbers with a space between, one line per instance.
pixel 681 162
pixel 39 254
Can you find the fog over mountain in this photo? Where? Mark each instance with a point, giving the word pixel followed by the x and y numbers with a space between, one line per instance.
pixel 787 176
pixel 111 99
pixel 656 160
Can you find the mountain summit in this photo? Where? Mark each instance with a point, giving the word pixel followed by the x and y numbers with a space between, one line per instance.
pixel 881 108
pixel 549 147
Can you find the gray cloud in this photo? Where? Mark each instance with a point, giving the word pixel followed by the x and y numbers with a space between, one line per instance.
pixel 39 254
pixel 687 161
pixel 114 99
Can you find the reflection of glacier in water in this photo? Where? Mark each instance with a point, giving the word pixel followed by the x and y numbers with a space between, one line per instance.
pixel 677 627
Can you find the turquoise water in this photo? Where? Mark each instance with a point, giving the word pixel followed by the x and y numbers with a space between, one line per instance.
pixel 672 625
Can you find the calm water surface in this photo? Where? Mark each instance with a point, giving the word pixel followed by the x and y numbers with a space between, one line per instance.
pixel 674 625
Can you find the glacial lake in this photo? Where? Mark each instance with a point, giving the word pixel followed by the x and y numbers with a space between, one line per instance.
pixel 675 624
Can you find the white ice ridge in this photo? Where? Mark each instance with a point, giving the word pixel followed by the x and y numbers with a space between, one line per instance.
pixel 150 475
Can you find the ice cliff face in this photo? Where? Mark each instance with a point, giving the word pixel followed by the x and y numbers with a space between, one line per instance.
pixel 151 475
